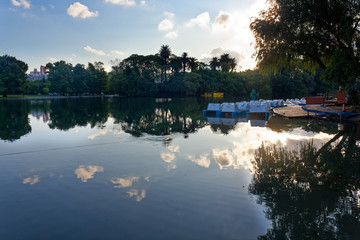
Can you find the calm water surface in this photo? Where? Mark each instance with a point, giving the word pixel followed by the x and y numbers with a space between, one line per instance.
pixel 112 168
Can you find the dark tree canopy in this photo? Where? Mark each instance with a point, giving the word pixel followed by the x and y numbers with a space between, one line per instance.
pixel 320 33
pixel 12 75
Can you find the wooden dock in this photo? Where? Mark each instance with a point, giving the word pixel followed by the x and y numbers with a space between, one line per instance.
pixel 292 112
pixel 312 111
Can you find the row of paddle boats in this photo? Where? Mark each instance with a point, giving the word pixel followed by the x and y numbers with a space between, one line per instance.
pixel 255 106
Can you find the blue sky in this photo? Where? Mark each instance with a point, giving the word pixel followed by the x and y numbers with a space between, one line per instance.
pixel 82 31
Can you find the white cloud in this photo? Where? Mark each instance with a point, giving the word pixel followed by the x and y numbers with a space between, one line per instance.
pixel 21 3
pixel 169 14
pixel 79 10
pixel 223 158
pixel 173 148
pixel 87 172
pixel 167 157
pixel 165 25
pixel 52 59
pixel 124 182
pixel 94 51
pixel 43 8
pixel 143 3
pixel 116 52
pixel 122 2
pixel 31 180
pixel 172 34
pixel 97 134
pixel 223 20
pixel 202 161
pixel 202 20
pixel 136 194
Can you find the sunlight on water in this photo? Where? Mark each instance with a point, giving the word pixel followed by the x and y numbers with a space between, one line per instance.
pixel 100 166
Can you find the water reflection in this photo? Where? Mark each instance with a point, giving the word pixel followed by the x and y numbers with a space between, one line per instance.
pixel 14 121
pixel 87 172
pixel 310 193
pixel 129 182
pixel 31 180
pixel 124 182
pixel 198 167
pixel 202 161
pixel 69 113
pixel 136 194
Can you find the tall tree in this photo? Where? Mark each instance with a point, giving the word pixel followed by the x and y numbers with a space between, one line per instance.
pixel 175 64
pixel 184 60
pixel 164 54
pixel 225 62
pixel 99 80
pixel 214 63
pixel 12 75
pixel 60 77
pixel 81 75
pixel 322 33
pixel 193 64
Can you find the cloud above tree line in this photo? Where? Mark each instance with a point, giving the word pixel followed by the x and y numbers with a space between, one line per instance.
pixel 78 10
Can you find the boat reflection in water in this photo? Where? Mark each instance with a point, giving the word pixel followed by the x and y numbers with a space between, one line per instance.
pixel 255 120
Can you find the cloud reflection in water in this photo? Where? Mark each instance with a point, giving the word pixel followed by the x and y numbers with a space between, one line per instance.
pixel 124 182
pixel 87 172
pixel 202 161
pixel 31 180
pixel 128 182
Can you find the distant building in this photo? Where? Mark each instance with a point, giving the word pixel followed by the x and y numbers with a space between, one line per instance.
pixel 36 75
pixel 42 70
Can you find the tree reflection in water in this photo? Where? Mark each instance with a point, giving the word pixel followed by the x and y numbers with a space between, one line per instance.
pixel 310 193
pixel 157 116
pixel 14 120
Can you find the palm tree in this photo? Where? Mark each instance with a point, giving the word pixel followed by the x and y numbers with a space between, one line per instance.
pixel 193 64
pixel 184 60
pixel 175 63
pixel 225 62
pixel 232 63
pixel 164 54
pixel 214 63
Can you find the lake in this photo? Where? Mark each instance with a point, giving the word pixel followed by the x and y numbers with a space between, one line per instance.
pixel 146 168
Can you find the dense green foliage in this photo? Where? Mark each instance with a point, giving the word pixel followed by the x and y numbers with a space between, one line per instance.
pixel 65 79
pixel 12 75
pixel 165 74
pixel 321 34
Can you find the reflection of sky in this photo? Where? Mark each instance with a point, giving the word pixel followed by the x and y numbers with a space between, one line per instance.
pixel 203 160
pixel 128 182
pixel 31 180
pixel 87 172
pixel 207 184
pixel 124 182
pixel 240 144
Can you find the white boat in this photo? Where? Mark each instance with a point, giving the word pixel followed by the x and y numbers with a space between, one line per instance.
pixel 228 107
pixel 214 107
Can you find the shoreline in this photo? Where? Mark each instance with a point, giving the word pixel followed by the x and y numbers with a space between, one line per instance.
pixel 55 97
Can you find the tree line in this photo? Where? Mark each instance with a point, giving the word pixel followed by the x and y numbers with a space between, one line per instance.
pixel 164 74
